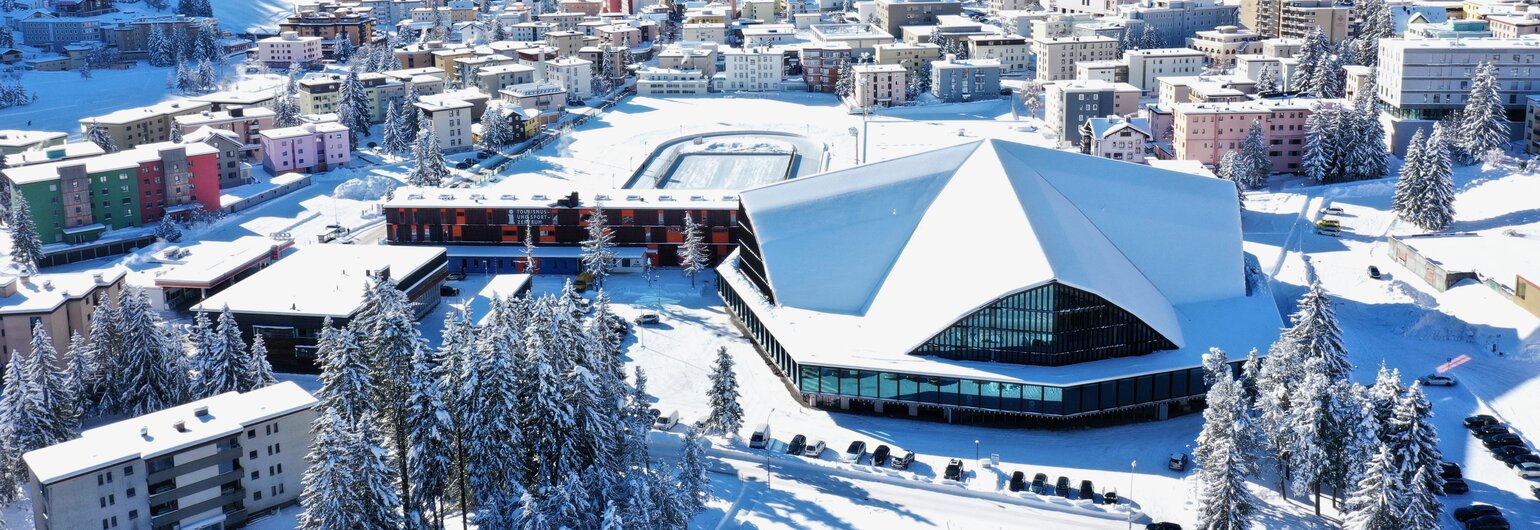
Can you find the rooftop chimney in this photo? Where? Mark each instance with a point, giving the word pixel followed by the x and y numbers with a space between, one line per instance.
pixel 201 412
pixel 181 426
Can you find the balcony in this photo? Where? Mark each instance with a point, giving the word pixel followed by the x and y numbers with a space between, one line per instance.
pixel 234 475
pixel 236 496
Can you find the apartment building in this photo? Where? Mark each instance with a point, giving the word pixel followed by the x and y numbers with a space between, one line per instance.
pixel 1068 104
pixel 954 80
pixel 331 26
pixel 821 64
pixel 132 37
pixel 760 35
pixel 211 463
pixel 913 57
pixel 752 69
pixel 245 122
pixel 893 15
pixel 451 119
pixel 491 79
pixel 878 85
pixel 690 56
pixel 63 303
pixel 670 81
pixel 1114 71
pixel 142 125
pixel 562 21
pixel 49 32
pixel 1205 89
pixel 289 48
pixel 761 10
pixel 1086 7
pixel 996 7
pixel 1056 57
pixel 573 74
pixel 1515 25
pixel 567 43
pixel 1117 138
pixel 548 99
pixel 1146 67
pixel 620 35
pixel 1206 131
pixel 1298 17
pixel 1223 43
pixel 322 94
pixel 1175 20
pixel 1423 80
pixel 15 141
pixel 1013 52
pixel 317 146
pixel 860 37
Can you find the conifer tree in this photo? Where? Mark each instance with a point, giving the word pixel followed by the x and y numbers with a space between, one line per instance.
pixel 1224 453
pixel 429 170
pixel 390 132
pixel 1433 209
pixel 1484 125
pixel 1373 505
pixel 1421 506
pixel 97 135
pixel 1315 334
pixel 26 246
pixel 1411 184
pixel 1312 55
pixel 1267 81
pixel 79 374
pixel 376 479
pixel 1321 145
pixel 259 369
pixel 1414 441
pixel 47 390
pixel 18 429
pixel 286 111
pixel 1371 159
pixel 692 472
pixel 531 263
pixel 149 372
pixel 1383 398
pixel 496 131
pixel 105 354
pixel 726 415
pixel 346 386
pixel 353 107
pixel 329 497
pixel 694 256
pixel 428 439
pixel 1256 166
pixel 219 369
pixel 598 251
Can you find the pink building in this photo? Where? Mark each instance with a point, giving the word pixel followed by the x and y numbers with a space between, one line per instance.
pixel 1206 131
pixel 305 148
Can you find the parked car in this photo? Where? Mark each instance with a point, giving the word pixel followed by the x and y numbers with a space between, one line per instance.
pixel 1333 232
pixel 1449 470
pixel 1374 272
pixel 1178 462
pixel 1489 430
pixel 455 276
pixel 1329 210
pixel 761 437
pixel 484 154
pixel 1488 522
pixel 1475 510
pixel 854 452
pixel 665 422
pixel 1527 469
pixel 1087 491
pixel 1162 526
pixel 1061 487
pixel 880 456
pixel 1018 481
pixel 814 449
pixel 954 469
pixel 1509 451
pixel 903 462
pixel 647 319
pixel 1110 497
pixel 795 446
pixel 1039 483
pixel 1479 420
pixel 1329 224
pixel 1456 486
pixel 1520 459
pixel 1436 380
pixel 1502 440
pixel 448 290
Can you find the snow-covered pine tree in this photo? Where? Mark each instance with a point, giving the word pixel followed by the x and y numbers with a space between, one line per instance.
pixel 206 44
pixel 1421 507
pixel 505 510
pixel 286 111
pixel 1256 167
pixel 1433 208
pixel 1312 55
pixel 429 437
pixel 47 390
pixel 496 131
pixel 97 135
pixel 1372 159
pixel 726 415
pixel 161 52
pixel 1485 124
pixel 79 374
pixel 228 333
pixel 845 84
pixel 692 472
pixel 611 518
pixel 542 395
pixel 694 256
pixel 390 130
pixel 390 339
pixel 106 354
pixel 1251 372
pixel 598 249
pixel 346 387
pixel 218 370
pixel 1314 334
pixel 1414 440
pixel 1149 39
pixel 1330 80
pixel 1321 149
pixel 26 246
pixel 531 263
pixel 150 375
pixel 176 135
pixel 1280 371
pixel 329 496
pixel 353 107
pixel 167 230
pixel 1376 24
pixel 571 503
pixel 1312 422
pixel 1383 398
pixel 1267 81
pixel 1375 504
pixel 18 433
pixel 1224 455
pixel 429 169
pixel 374 478
pixel 1228 166
pixel 411 116
pixel 343 51
pixel 1411 184
pixel 494 450
pixel 259 370
pixel 1361 438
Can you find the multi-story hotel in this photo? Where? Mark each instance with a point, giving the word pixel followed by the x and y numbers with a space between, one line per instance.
pixel 1422 80
pixel 1206 131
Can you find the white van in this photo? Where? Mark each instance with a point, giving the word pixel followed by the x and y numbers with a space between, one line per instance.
pixel 761 437
pixel 666 421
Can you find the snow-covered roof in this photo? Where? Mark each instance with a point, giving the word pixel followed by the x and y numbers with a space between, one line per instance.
pixel 1101 127
pixel 319 280
pixel 13 138
pixel 42 293
pixel 851 254
pixel 54 153
pixel 156 434
pixel 547 197
pixel 139 113
pixel 130 158
pixel 210 262
pixel 1495 256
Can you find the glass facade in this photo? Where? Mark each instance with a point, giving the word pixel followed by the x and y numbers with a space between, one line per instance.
pixel 1051 325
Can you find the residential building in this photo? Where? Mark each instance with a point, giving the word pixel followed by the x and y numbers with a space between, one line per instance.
pixel 762 10
pixel 83 8
pixel 529 31
pixel 752 69
pixel 16 141
pixel 1206 131
pixel 233 170
pixel 860 37
pixel 451 119
pixel 1205 89
pixel 211 463
pixel 305 148
pixel 1422 80
pixel 690 56
pixel 63 303
pixel 132 37
pixel 1117 138
pixel 246 123
pixel 323 94
pixel 141 125
pixel 913 57
pixel 1013 52
pixel 1223 43
pixel 281 303
pixel 955 80
pixel 233 98
pixel 704 32
pixel 652 81
pixel 1068 104
pixel 821 65
pixel 892 15
pixel 1146 67
pixel 1252 66
pixel 467 67
pixel 491 79
pixel 289 48
pixel 1116 243
pixel 878 85
pixel 566 43
pixel 548 99
pixel 331 26
pixel 1114 71
pixel 49 32
pixel 53 153
pixel 996 7
pixel 1020 22
pixel 1175 20
pixel 562 21
pixel 1299 17
pixel 1515 25
pixel 1532 124
pixel 574 75
pixel 525 122
pixel 1086 7
pixel 621 35
pixel 1056 57
pixel 762 35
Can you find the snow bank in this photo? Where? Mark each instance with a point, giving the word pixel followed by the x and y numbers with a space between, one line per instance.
pixel 369 188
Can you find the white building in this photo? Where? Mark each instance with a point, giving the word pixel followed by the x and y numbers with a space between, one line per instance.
pixel 451 119
pixel 1174 20
pixel 288 48
pixel 1068 104
pixel 1145 67
pixel 204 464
pixel 1014 52
pixel 1056 57
pixel 574 74
pixel 878 85
pixel 768 35
pixel 1422 80
pixel 1223 43
pixel 1117 138
pixel 751 70
pixel 1086 7
pixel 666 81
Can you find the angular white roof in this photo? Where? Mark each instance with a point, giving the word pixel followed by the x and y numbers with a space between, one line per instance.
pixel 954 229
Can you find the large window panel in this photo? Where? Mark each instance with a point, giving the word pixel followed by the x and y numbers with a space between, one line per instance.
pixel 868 383
pixel 909 388
pixel 1010 396
pixel 850 383
pixel 1144 388
pixel 809 378
pixel 887 386
pixel 928 390
pixel 948 389
pixel 1053 400
pixel 1125 392
pixel 829 380
pixel 1162 386
pixel 989 395
pixel 968 393
pixel 1179 384
pixel 1090 397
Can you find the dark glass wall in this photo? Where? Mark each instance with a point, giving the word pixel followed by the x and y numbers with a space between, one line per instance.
pixel 1051 325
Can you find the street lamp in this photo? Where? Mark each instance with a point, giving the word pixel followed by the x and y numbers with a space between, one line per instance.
pixel 975 452
pixel 1131 467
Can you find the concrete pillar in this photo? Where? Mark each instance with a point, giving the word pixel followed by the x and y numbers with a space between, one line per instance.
pixel 914 410
pixel 877 407
pixel 844 403
pixel 1165 410
pixel 948 412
